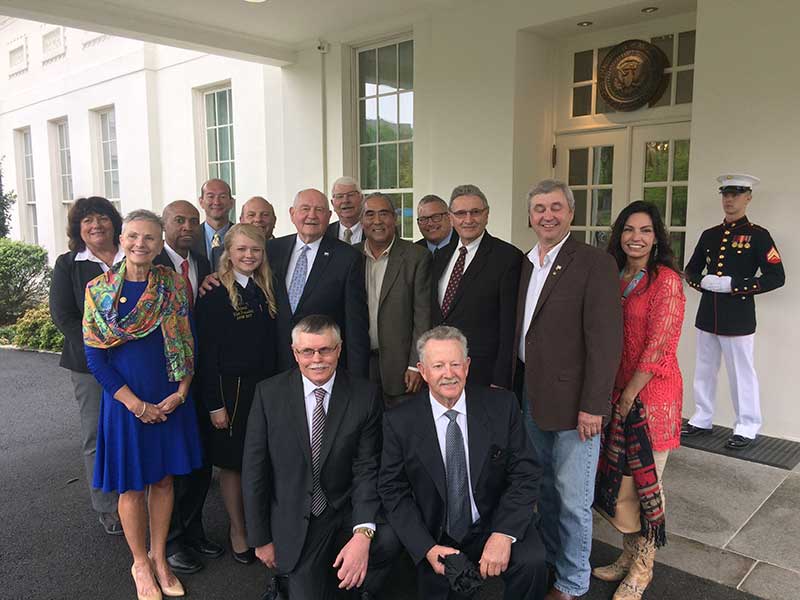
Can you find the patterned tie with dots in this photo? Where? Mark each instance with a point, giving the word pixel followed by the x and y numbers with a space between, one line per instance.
pixel 455 280
pixel 298 279
pixel 459 512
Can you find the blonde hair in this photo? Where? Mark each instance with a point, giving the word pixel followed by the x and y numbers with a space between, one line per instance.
pixel 262 276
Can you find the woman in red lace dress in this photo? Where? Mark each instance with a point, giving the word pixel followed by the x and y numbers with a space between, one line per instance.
pixel 653 304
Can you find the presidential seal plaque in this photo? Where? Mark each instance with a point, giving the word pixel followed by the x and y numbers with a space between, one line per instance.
pixel 632 75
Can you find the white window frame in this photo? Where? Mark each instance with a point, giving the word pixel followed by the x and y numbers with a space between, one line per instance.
pixel 63 160
pixel 394 40
pixel 27 185
pixel 106 168
pixel 19 44
pixel 59 50
pixel 206 157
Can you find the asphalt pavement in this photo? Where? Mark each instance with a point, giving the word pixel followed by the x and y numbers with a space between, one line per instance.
pixel 53 548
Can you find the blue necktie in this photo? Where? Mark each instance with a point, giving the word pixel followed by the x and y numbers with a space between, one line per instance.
pixel 298 279
pixel 459 511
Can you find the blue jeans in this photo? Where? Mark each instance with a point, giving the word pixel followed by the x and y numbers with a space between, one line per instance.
pixel 566 499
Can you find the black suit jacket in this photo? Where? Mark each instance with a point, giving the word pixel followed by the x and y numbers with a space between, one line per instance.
pixel 203 266
pixel 67 294
pixel 276 468
pixel 504 473
pixel 484 307
pixel 335 287
pixel 199 247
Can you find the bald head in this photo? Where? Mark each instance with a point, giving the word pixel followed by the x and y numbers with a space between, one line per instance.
pixel 259 212
pixel 310 214
pixel 181 225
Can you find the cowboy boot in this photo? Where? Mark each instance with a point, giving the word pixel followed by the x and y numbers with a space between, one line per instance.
pixel 640 573
pixel 619 568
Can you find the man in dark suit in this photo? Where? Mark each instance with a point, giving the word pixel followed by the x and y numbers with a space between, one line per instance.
pixel 398 281
pixel 309 474
pixel 434 223
pixel 475 284
pixel 316 274
pixel 181 228
pixel 347 200
pixel 216 199
pixel 458 474
pixel 259 212
pixel 567 349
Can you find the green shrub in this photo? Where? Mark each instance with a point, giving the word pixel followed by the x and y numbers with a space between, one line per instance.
pixel 24 278
pixel 35 329
pixel 7 333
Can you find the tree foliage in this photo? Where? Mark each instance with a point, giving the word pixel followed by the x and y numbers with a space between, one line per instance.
pixel 35 329
pixel 6 200
pixel 24 278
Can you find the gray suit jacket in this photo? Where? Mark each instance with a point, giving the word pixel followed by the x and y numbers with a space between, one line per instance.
pixel 404 311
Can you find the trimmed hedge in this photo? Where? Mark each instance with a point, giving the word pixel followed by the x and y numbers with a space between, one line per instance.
pixel 24 278
pixel 35 329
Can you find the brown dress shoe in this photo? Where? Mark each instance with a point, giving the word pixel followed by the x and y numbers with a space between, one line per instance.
pixel 556 594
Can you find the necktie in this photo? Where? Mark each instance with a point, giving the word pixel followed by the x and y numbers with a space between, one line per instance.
pixel 318 500
pixel 298 279
pixel 348 235
pixel 216 250
pixel 185 275
pixel 455 279
pixel 459 512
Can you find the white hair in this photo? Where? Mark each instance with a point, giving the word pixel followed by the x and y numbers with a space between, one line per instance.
pixel 346 180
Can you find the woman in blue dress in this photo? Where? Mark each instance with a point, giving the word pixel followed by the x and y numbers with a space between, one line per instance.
pixel 139 346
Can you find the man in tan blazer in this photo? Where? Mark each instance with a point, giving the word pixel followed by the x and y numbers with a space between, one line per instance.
pixel 568 345
pixel 398 282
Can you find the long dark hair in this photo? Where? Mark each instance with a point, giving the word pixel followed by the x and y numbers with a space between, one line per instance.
pixel 83 207
pixel 661 255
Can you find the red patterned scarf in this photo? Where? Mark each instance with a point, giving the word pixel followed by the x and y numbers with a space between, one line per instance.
pixel 626 445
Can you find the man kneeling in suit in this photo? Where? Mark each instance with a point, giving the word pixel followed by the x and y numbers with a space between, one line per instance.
pixel 309 475
pixel 458 473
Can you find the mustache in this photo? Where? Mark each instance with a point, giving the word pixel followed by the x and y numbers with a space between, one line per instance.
pixel 449 380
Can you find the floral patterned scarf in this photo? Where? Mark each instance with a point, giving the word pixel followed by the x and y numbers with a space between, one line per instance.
pixel 163 303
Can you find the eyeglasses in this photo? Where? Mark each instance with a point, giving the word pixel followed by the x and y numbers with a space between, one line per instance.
pixel 474 213
pixel 310 352
pixel 352 194
pixel 435 218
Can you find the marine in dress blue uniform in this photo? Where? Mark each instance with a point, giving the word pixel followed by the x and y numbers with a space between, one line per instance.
pixel 732 262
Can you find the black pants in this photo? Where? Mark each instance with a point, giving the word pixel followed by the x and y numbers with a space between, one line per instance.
pixel 313 578
pixel 525 578
pixel 190 493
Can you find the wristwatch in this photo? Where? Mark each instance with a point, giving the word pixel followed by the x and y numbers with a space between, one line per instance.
pixel 367 531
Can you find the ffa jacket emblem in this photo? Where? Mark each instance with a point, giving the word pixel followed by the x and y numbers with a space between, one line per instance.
pixel 773 257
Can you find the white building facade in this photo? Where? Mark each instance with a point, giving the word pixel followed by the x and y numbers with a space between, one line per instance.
pixel 500 93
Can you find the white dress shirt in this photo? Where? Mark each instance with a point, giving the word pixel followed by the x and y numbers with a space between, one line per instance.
pixel 177 262
pixel 241 279
pixel 310 399
pixel 358 232
pixel 311 255
pixel 375 272
pixel 87 254
pixel 535 285
pixel 472 249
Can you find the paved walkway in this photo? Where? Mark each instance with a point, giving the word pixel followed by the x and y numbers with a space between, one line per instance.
pixel 732 524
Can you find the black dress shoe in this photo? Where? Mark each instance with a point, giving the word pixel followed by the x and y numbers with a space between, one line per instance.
pixel 275 589
pixel 184 563
pixel 738 442
pixel 689 430
pixel 248 557
pixel 206 547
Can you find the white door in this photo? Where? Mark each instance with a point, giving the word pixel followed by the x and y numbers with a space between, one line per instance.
pixel 660 174
pixel 595 167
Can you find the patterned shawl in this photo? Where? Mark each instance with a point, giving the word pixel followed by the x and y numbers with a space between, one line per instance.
pixel 163 303
pixel 629 442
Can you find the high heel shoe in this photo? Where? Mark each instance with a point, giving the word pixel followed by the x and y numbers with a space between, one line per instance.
pixel 154 596
pixel 176 590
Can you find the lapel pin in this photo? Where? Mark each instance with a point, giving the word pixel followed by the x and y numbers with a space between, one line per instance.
pixel 326 253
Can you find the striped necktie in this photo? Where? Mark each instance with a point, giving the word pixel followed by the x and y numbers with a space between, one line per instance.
pixel 318 500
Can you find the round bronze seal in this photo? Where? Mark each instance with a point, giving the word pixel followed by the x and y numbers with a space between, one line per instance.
pixel 632 75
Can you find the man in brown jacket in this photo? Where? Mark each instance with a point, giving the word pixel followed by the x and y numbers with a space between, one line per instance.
pixel 568 344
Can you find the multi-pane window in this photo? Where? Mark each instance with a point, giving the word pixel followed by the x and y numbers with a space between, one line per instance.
pixel 666 184
pixel 29 188
pixel 591 179
pixel 679 49
pixel 386 126
pixel 108 144
pixel 219 136
pixel 64 161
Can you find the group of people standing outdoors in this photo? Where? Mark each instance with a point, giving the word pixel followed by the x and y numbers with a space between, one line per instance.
pixel 361 394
